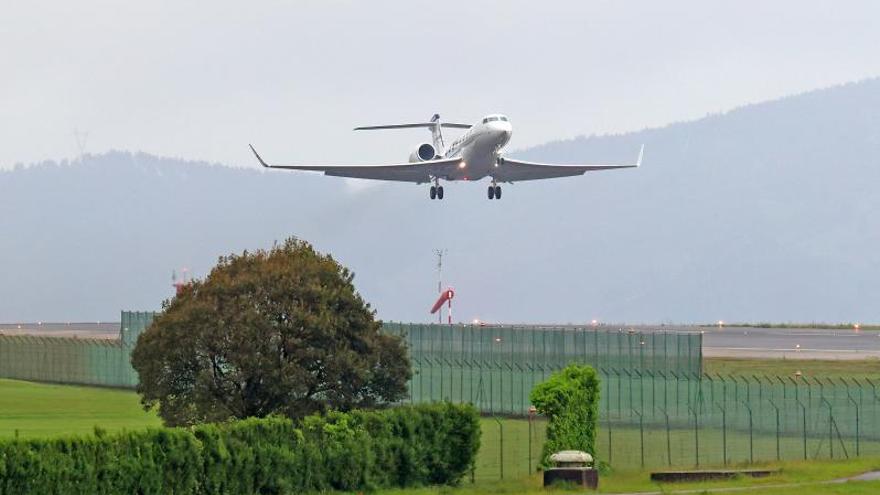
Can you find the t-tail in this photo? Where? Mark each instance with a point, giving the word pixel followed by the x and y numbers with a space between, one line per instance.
pixel 434 125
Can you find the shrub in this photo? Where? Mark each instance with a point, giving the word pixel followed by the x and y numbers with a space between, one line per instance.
pixel 361 450
pixel 570 400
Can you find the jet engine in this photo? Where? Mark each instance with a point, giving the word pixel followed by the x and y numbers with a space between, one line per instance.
pixel 423 153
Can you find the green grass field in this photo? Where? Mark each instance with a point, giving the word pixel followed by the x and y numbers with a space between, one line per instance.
pixel 808 476
pixel 32 410
pixel 42 410
pixel 868 368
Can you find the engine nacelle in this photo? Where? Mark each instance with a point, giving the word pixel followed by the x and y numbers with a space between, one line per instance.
pixel 423 153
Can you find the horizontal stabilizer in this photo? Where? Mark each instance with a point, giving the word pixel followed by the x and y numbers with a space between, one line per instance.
pixel 410 126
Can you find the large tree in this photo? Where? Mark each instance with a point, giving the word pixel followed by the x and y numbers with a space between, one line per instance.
pixel 277 331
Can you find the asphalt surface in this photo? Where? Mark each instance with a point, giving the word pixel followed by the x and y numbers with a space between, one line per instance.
pixel 791 343
pixel 737 342
pixel 788 343
pixel 94 330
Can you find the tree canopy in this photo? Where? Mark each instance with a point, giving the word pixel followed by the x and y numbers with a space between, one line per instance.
pixel 281 331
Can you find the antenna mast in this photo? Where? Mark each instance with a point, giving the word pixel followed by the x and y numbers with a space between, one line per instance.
pixel 440 253
pixel 81 138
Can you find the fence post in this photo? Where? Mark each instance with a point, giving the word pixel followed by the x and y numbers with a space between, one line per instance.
pixel 804 410
pixel 711 386
pixel 781 381
pixel 751 434
pixel 856 404
pixel 500 444
pixel 665 390
pixel 532 412
pixel 830 427
pixel 641 437
pixel 723 432
pixel 619 391
pixel 641 391
pixel 778 451
pixel 696 435
pixel 677 386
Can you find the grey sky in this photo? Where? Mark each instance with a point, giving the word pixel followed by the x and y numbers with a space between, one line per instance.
pixel 185 79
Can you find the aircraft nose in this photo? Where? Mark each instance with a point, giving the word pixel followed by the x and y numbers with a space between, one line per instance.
pixel 503 128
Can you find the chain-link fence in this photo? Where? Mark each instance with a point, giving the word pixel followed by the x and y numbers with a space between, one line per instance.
pixel 496 368
pixel 657 407
pixel 669 419
pixel 66 360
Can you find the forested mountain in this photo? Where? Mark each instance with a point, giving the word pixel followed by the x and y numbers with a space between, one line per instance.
pixel 768 212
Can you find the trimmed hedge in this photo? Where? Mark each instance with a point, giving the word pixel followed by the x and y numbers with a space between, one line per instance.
pixel 360 450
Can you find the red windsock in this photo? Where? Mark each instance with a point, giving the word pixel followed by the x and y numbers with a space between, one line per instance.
pixel 446 295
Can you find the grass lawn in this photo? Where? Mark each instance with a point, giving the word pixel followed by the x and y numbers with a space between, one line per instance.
pixel 868 368
pixel 639 481
pixel 42 410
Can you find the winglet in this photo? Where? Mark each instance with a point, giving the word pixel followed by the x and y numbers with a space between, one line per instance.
pixel 258 157
pixel 638 162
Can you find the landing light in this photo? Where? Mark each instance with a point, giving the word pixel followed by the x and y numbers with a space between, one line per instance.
pixel 462 165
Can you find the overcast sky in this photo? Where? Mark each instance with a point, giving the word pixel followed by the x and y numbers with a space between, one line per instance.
pixel 202 79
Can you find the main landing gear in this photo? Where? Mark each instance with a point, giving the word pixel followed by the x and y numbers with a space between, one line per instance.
pixel 494 191
pixel 436 190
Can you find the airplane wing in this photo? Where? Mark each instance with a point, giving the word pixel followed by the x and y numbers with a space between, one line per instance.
pixel 509 170
pixel 419 173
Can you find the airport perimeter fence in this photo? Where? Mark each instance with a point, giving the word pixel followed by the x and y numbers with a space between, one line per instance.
pixel 495 368
pixel 657 406
pixel 668 419
pixel 82 361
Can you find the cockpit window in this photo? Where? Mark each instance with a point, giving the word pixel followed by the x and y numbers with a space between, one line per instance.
pixel 503 118
pixel 486 120
pixel 491 119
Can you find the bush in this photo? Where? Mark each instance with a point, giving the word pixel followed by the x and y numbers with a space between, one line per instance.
pixel 361 450
pixel 570 399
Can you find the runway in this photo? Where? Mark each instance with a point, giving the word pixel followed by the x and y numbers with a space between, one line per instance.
pixel 730 342
pixel 93 330
pixel 791 343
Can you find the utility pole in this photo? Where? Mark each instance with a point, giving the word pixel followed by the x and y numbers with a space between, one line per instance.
pixel 440 253
pixel 81 137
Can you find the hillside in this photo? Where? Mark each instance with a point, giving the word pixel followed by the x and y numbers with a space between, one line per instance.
pixel 765 213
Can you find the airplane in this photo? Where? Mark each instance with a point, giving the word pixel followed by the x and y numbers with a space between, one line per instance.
pixel 473 156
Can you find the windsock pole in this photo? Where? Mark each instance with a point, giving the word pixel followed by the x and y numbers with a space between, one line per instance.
pixel 445 297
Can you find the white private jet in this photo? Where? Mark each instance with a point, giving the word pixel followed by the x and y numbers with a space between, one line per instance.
pixel 473 156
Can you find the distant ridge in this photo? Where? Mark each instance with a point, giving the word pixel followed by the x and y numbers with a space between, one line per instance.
pixel 764 213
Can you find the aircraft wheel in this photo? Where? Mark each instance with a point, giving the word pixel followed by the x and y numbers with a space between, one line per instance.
pixel 498 192
pixel 433 192
pixel 439 192
pixel 491 192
